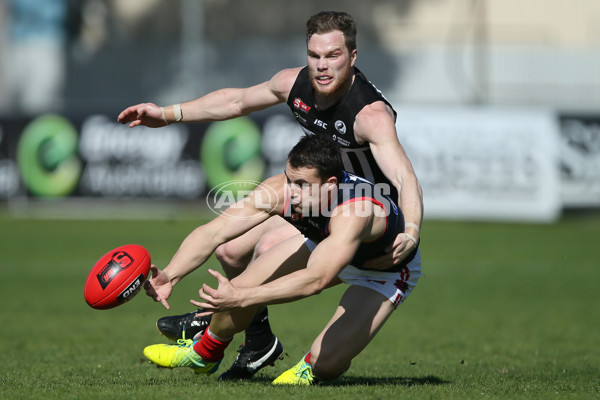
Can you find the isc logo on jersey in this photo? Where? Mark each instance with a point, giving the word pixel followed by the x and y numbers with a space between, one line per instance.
pixel 320 123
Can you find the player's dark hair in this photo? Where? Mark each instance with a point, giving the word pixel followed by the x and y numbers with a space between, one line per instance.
pixel 319 152
pixel 327 21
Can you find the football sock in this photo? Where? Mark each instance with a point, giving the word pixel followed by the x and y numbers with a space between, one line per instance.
pixel 211 347
pixel 307 358
pixel 258 333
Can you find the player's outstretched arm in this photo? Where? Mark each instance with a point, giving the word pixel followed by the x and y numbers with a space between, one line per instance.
pixel 219 105
pixel 230 103
pixel 262 203
pixel 325 262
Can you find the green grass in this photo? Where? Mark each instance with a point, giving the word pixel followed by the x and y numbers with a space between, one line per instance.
pixel 505 311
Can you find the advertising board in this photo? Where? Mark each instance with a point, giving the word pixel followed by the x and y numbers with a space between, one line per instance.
pixel 484 163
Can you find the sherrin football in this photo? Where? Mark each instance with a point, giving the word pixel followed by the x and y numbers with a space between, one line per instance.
pixel 117 276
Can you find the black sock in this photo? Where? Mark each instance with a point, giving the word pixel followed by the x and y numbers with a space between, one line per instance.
pixel 258 333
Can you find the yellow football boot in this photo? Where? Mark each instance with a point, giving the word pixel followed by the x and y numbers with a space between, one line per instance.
pixel 177 355
pixel 300 374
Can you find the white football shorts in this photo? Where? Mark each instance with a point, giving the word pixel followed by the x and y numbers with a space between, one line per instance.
pixel 395 286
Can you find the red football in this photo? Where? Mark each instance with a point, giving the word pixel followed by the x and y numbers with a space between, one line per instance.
pixel 117 276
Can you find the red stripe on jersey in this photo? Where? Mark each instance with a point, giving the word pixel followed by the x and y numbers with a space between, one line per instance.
pixel 373 200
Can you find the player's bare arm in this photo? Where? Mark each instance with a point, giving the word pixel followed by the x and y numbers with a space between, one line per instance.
pixel 219 105
pixel 375 125
pixel 263 202
pixel 350 225
pixel 198 246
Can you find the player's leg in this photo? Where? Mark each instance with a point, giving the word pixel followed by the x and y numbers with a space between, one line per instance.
pixel 357 319
pixel 258 336
pixel 362 311
pixel 284 258
pixel 359 316
pixel 236 254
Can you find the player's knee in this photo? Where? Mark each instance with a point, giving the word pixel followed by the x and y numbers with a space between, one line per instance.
pixel 230 260
pixel 329 366
pixel 266 241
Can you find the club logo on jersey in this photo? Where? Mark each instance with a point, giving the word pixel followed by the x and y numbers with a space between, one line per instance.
pixel 120 261
pixel 299 104
pixel 340 126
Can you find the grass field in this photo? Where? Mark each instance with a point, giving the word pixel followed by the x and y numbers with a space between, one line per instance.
pixel 504 311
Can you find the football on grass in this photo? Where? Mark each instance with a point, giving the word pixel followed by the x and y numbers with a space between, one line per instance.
pixel 117 276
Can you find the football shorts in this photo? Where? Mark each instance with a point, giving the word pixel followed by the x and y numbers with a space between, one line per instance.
pixel 395 286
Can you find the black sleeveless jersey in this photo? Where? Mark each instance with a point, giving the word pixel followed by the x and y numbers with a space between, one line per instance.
pixel 316 226
pixel 337 122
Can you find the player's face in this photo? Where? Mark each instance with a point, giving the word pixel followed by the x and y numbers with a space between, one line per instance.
pixel 329 62
pixel 305 188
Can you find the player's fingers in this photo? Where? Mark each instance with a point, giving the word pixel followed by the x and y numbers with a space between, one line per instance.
pixel 141 111
pixel 406 247
pixel 165 304
pixel 205 313
pixel 207 308
pixel 403 254
pixel 398 253
pixel 402 249
pixel 397 242
pixel 208 300
pixel 150 292
pixel 220 278
pixel 154 270
pixel 207 293
pixel 125 115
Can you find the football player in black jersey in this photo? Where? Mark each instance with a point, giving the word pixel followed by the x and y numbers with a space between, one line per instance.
pixel 328 97
pixel 346 221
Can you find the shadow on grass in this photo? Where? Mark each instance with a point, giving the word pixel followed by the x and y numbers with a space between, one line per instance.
pixel 390 380
pixel 361 381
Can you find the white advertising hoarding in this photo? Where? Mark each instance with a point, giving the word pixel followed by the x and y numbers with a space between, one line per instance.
pixel 580 161
pixel 484 163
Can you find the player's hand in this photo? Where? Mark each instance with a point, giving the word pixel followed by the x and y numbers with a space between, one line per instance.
pixel 159 287
pixel 146 114
pixel 398 251
pixel 225 297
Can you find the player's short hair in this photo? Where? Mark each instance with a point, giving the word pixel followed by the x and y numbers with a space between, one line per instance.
pixel 319 152
pixel 327 21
